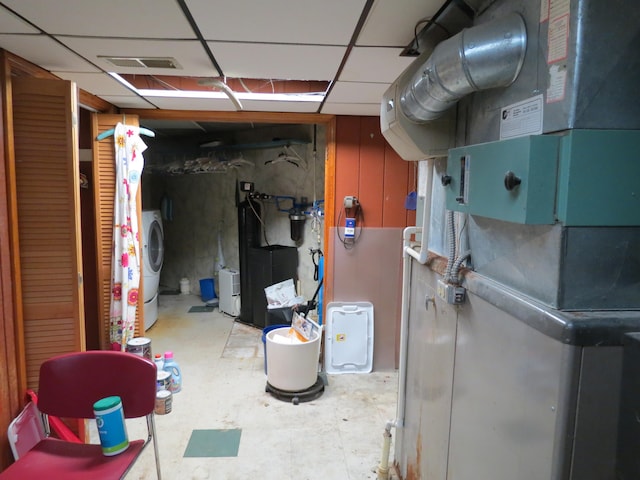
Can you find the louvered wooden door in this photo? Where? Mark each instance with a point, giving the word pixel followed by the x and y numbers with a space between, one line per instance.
pixel 48 217
pixel 104 174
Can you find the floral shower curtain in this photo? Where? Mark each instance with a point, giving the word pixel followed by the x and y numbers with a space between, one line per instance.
pixel 125 272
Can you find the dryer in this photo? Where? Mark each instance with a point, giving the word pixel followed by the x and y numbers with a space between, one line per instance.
pixel 152 259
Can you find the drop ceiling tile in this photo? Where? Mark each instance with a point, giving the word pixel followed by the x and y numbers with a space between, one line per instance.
pixel 116 18
pixel 188 53
pixel 127 101
pixel 97 83
pixel 10 23
pixel 357 92
pixel 291 62
pixel 391 26
pixel 45 52
pixel 365 109
pixel 374 64
pixel 326 22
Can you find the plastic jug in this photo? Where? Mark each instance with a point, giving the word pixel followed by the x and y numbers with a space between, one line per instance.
pixel 171 366
pixel 158 359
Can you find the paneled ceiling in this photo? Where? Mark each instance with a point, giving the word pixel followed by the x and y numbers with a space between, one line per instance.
pixel 345 53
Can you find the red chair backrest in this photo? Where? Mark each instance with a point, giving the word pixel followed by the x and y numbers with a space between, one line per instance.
pixel 71 383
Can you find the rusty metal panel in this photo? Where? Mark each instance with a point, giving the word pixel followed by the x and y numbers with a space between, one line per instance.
pixel 423 443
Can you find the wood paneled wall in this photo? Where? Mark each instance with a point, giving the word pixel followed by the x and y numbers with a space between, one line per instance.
pixel 367 167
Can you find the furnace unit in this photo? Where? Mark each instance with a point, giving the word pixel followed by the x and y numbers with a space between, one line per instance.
pixel 512 353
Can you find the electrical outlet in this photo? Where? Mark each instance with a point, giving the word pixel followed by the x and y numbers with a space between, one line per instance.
pixel 452 294
pixel 246 187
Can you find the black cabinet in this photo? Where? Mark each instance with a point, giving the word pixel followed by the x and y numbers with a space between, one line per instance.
pixel 266 266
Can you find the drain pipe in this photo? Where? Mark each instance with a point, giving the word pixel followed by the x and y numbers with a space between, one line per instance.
pixel 408 253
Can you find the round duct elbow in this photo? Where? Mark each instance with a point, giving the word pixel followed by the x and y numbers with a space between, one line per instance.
pixel 482 57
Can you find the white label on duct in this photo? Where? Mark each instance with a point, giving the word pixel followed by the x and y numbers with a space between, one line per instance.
pixel 522 118
pixel 557 83
pixel 558 35
pixel 559 8
pixel 544 10
pixel 558 38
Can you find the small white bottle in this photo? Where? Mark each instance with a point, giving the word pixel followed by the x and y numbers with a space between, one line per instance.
pixel 158 359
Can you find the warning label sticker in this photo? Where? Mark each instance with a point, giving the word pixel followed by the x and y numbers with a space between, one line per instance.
pixel 557 83
pixel 522 118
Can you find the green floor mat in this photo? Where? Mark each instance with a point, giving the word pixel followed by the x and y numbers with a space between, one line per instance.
pixel 201 309
pixel 213 443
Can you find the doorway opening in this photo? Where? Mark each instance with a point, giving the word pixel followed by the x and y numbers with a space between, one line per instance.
pixel 198 174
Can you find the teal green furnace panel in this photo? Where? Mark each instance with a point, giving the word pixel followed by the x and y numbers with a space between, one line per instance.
pixel 599 178
pixel 512 180
pixel 576 177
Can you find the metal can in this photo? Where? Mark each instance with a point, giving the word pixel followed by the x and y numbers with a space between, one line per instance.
pixel 164 399
pixel 111 427
pixel 140 346
pixel 163 380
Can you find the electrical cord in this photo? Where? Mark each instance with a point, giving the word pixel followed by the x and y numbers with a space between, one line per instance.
pixel 264 227
pixel 316 269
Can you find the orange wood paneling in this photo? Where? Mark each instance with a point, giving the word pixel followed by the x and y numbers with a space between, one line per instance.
pixel 347 161
pixel 330 207
pixel 395 189
pixel 367 167
pixel 371 184
pixel 412 186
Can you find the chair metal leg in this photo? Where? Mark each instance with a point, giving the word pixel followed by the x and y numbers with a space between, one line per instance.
pixel 151 426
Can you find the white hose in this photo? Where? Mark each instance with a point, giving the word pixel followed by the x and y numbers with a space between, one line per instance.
pixel 421 256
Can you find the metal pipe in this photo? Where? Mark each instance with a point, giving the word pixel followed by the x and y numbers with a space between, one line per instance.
pixel 455 270
pixel 421 256
pixel 383 468
pixel 478 58
pixel 408 253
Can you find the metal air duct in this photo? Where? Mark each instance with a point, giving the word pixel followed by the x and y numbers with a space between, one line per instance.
pixel 478 58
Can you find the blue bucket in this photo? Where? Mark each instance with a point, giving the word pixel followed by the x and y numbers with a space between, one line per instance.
pixel 207 290
pixel 264 341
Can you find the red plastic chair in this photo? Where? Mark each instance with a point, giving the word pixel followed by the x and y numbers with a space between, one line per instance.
pixel 69 386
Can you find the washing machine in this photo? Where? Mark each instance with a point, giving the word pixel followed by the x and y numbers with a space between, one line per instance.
pixel 152 258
